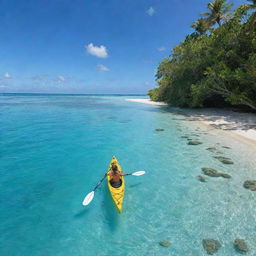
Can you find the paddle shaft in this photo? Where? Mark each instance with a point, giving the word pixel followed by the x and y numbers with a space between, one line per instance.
pixel 100 182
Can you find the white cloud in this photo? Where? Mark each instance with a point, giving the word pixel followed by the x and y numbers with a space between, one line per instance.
pixel 7 75
pixel 161 49
pixel 98 51
pixel 150 11
pixel 146 83
pixel 102 67
pixel 61 79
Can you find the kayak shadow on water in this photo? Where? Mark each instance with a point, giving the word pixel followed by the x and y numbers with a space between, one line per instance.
pixel 81 213
pixel 109 210
pixel 135 185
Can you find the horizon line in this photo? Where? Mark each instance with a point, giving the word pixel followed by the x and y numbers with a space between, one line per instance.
pixel 74 94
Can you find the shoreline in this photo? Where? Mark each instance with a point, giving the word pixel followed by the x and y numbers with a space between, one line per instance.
pixel 238 125
pixel 239 135
pixel 147 101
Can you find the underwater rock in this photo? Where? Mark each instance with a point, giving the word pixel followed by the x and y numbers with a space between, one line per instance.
pixel 159 129
pixel 240 245
pixel 211 172
pixel 194 142
pixel 214 173
pixel 211 246
pixel 212 149
pixel 225 175
pixel 165 243
pixel 224 160
pixel 184 136
pixel 194 134
pixel 201 178
pixel 250 184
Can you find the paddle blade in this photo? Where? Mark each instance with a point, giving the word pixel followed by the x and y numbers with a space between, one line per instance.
pixel 88 198
pixel 138 173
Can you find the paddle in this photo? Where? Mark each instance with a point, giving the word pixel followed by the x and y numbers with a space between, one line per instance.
pixel 138 173
pixel 90 196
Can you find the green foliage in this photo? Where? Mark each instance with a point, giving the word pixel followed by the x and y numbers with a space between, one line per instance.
pixel 201 26
pixel 219 64
pixel 218 11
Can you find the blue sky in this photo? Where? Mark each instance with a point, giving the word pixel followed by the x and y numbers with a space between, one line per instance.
pixel 89 46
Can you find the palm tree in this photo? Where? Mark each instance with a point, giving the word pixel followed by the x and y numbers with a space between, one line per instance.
pixel 219 10
pixel 200 26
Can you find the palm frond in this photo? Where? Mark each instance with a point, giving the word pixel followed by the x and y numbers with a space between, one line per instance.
pixel 227 16
pixel 227 8
pixel 205 14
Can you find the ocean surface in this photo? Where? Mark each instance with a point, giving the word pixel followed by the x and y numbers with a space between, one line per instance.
pixel 55 148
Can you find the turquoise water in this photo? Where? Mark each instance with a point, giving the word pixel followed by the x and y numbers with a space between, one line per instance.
pixel 54 149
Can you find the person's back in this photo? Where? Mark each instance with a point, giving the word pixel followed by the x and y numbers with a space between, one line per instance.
pixel 115 176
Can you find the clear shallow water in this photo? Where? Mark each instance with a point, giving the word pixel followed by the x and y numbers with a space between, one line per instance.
pixel 55 149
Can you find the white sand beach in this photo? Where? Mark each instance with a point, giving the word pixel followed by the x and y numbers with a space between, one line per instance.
pixel 241 125
pixel 147 101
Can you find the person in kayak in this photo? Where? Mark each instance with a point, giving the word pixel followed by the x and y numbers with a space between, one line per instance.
pixel 115 175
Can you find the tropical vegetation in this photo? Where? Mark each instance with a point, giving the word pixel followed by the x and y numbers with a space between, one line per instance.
pixel 216 64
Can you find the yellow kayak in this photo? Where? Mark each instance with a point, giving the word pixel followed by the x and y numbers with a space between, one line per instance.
pixel 116 193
